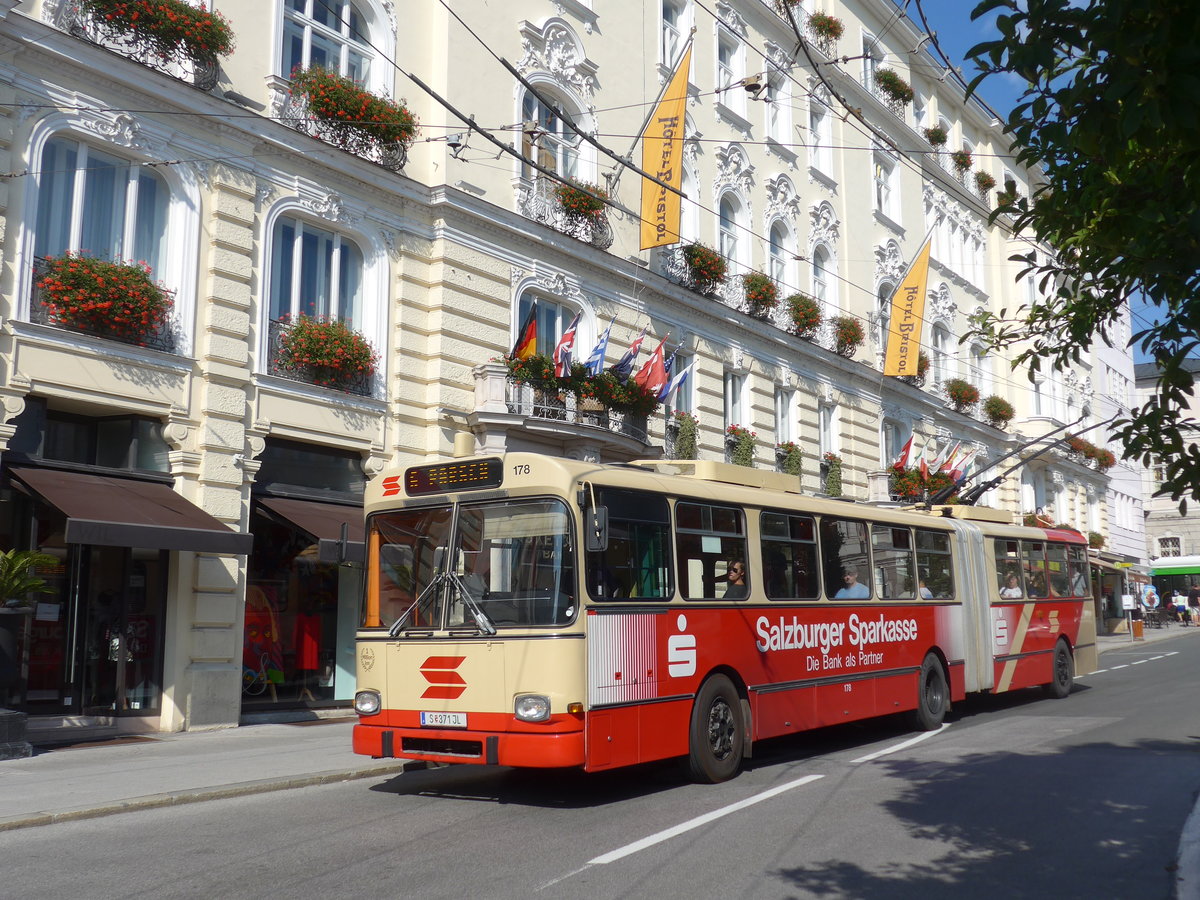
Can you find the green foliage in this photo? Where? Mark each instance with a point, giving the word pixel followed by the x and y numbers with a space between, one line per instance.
pixel 984 182
pixel 961 160
pixel 581 200
pixel 962 394
pixel 741 441
pixel 705 265
pixel 623 396
pixel 893 85
pixel 826 26
pixel 806 315
pixel 936 136
pixel 761 292
pixel 687 429
pixel 833 474
pixel 847 335
pixel 997 411
pixel 170 26
pixel 790 456
pixel 17 578
pixel 109 299
pixel 328 351
pixel 355 111
pixel 1109 120
pixel 909 484
pixel 1096 540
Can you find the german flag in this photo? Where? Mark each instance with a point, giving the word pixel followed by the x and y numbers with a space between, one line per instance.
pixel 526 345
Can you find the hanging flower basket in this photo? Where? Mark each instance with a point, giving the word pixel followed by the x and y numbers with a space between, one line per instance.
pixel 918 377
pixel 107 299
pixel 687 428
pixel 847 335
pixel 740 441
pixel 936 136
pixel 327 352
pixel 1104 459
pixel 984 182
pixel 997 411
pixel 893 86
pixel 806 315
pixel 831 467
pixel 580 200
pixel 826 26
pixel 762 294
pixel 706 267
pixel 962 394
pixel 356 119
pixel 961 160
pixel 1096 540
pixel 170 27
pixel 790 457
pixel 911 485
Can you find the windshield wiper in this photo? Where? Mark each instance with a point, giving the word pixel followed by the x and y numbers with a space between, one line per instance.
pixel 482 622
pixel 398 625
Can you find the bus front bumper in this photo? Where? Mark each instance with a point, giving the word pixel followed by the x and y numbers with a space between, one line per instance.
pixel 548 750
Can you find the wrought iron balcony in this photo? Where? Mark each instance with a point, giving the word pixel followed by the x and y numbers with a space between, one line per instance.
pixel 348 382
pixel 536 200
pixel 525 401
pixel 673 266
pixel 296 114
pixel 202 72
pixel 164 337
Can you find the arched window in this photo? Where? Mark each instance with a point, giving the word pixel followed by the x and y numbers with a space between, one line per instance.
pixel 552 320
pixel 728 232
pixel 820 279
pixel 98 204
pixel 314 272
pixel 547 140
pixel 941 353
pixel 689 209
pixel 327 33
pixel 779 257
pixel 883 305
pixel 981 370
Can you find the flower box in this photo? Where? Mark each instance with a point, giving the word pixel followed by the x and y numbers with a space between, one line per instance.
pixel 108 299
pixel 739 442
pixel 353 118
pixel 961 160
pixel 170 27
pixel 847 335
pixel 790 457
pixel 997 411
pixel 580 200
pixel 762 294
pixel 984 182
pixel 831 474
pixel 826 26
pixel 806 315
pixel 325 352
pixel 685 428
pixel 893 86
pixel 936 136
pixel 962 394
pixel 706 267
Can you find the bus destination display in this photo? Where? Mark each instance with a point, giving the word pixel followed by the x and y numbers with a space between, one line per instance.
pixel 445 477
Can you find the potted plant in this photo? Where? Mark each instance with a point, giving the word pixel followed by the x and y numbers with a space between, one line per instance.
pixel 171 27
pixel 740 441
pixel 962 394
pixel 847 335
pixel 997 411
pixel 893 86
pixel 356 119
pixel 984 182
pixel 923 363
pixel 326 352
pixel 761 293
pixel 831 472
pixel 686 428
pixel 580 200
pixel 826 26
pixel 1095 540
pixel 789 457
pixel 108 299
pixel 706 267
pixel 936 136
pixel 806 315
pixel 1105 459
pixel 961 160
pixel 17 581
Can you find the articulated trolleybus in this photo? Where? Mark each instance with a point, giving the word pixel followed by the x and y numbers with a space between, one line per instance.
pixel 526 610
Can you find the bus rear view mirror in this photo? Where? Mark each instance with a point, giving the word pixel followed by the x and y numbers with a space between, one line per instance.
pixel 596 529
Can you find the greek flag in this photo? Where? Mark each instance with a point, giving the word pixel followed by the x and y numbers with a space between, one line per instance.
pixel 595 360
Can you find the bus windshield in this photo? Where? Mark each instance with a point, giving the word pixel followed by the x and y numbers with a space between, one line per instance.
pixel 482 567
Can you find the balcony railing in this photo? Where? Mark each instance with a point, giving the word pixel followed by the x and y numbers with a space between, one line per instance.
pixel 674 267
pixel 536 201
pixel 296 114
pixel 165 337
pixel 351 383
pixel 203 73
pixel 525 401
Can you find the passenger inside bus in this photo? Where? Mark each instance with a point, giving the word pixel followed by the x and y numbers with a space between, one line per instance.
pixel 735 579
pixel 1012 587
pixel 851 589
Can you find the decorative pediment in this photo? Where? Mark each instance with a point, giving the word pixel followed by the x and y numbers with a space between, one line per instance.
pixel 733 170
pixel 555 49
pixel 731 18
pixel 782 200
pixel 942 305
pixel 889 262
pixel 826 227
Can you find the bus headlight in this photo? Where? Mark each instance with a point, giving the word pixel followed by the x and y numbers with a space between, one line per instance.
pixel 532 708
pixel 367 703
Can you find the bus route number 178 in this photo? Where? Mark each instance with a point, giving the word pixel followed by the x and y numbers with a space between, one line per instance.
pixel 522 469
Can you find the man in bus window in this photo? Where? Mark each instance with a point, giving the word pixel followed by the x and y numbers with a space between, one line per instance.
pixel 851 589
pixel 735 580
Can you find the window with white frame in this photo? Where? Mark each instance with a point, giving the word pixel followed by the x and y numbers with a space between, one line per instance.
pixel 315 272
pixel 552 320
pixel 730 224
pixel 681 399
pixel 820 132
pixel 99 204
pixel 331 34
pixel 689 207
pixel 942 370
pixel 981 370
pixel 883 307
pixel 872 61
pixel 890 442
pixel 1170 546
pixel 784 399
pixel 731 69
pixel 779 257
pixel 777 99
pixel 886 185
pixel 735 399
pixel 674 30
pixel 547 140
pixel 828 439
pixel 821 289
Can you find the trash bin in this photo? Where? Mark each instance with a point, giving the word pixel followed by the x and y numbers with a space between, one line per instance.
pixel 1139 630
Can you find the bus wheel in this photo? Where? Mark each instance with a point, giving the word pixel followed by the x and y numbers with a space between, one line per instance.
pixel 933 696
pixel 716 732
pixel 1062 674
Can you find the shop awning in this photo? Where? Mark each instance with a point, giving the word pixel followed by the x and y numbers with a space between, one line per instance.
pixel 125 512
pixel 324 523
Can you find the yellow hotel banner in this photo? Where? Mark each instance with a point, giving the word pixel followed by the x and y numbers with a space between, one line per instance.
pixel 908 313
pixel 662 157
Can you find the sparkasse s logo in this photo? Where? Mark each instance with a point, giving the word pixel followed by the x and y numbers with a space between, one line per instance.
pixel 444 682
pixel 681 651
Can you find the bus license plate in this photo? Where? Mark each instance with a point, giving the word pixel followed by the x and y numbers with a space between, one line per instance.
pixel 443 720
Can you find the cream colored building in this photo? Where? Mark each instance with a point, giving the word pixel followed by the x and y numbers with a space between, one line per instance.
pixel 796 165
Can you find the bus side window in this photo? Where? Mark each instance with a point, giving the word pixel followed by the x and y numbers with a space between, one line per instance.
pixel 789 554
pixel 935 565
pixel 1008 569
pixel 710 541
pixel 894 564
pixel 845 559
pixel 637 563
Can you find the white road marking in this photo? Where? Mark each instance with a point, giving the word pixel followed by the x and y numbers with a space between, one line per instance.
pixel 1122 666
pixel 901 746
pixel 1138 662
pixel 683 827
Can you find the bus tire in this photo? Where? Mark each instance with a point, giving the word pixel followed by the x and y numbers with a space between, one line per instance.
pixel 1062 673
pixel 933 696
pixel 715 737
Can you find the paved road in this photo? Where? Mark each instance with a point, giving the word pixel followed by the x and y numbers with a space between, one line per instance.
pixel 1018 797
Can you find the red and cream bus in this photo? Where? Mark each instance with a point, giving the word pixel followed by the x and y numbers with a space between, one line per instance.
pixel 526 610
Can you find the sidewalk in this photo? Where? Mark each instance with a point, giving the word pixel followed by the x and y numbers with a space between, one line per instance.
pixel 84 781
